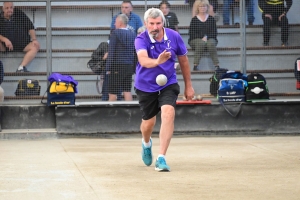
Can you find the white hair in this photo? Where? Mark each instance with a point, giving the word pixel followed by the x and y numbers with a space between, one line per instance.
pixel 154 13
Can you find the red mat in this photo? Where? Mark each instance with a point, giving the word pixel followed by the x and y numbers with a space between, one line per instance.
pixel 182 102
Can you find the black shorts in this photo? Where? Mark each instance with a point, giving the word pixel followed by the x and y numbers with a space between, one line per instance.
pixel 151 102
pixel 119 82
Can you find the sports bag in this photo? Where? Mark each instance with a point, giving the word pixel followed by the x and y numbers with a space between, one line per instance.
pixel 96 63
pixel 28 87
pixel 215 79
pixel 297 69
pixel 257 87
pixel 231 90
pixel 61 87
pixel 61 90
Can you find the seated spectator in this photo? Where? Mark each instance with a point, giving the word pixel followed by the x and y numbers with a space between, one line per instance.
pixel 203 34
pixel 134 22
pixel 226 11
pixel 171 20
pixel 17 34
pixel 211 10
pixel 275 13
pixel 120 59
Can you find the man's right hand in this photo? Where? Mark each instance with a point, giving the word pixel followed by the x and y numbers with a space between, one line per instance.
pixel 163 57
pixel 8 44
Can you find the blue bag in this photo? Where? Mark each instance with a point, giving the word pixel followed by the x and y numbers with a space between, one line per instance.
pixel 231 90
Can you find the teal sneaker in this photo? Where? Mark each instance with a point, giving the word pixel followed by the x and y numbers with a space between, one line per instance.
pixel 161 165
pixel 147 154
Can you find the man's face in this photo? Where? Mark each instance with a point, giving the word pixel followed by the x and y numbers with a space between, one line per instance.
pixel 164 8
pixel 8 9
pixel 126 8
pixel 154 26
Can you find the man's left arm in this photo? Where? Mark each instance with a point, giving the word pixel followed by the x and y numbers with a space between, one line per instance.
pixel 33 38
pixel 186 73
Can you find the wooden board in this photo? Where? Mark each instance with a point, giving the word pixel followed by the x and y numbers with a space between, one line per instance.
pixel 183 102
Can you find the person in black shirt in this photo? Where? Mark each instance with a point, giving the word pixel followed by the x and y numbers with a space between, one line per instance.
pixel 170 17
pixel 203 34
pixel 17 34
pixel 274 12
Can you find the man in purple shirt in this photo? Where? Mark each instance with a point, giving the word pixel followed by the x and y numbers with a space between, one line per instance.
pixel 157 49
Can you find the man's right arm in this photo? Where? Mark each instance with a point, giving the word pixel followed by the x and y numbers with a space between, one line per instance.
pixel 147 62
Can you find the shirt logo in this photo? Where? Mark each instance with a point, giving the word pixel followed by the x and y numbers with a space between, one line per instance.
pixel 169 47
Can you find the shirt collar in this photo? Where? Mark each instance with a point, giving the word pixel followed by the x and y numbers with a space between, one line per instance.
pixel 154 41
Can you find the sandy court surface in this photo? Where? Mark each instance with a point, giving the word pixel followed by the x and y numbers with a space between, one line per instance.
pixel 201 168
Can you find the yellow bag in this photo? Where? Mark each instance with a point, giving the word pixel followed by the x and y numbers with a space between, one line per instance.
pixel 61 87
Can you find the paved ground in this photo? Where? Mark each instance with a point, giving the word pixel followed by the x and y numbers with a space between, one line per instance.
pixel 202 168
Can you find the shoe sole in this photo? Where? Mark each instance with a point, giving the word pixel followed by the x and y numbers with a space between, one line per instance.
pixel 162 170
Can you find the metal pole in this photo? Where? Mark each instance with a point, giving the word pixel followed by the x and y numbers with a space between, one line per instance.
pixel 243 36
pixel 48 39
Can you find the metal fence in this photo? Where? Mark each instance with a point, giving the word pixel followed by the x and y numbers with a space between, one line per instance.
pixel 69 31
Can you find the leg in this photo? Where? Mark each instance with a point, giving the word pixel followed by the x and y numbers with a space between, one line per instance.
pixel 167 127
pixel 266 29
pixel 284 24
pixel 105 88
pixel 30 52
pixel 127 83
pixel 1 94
pixel 250 11
pixel 147 128
pixel 112 97
pixel 199 46
pixel 226 11
pixel 211 47
pixel 113 86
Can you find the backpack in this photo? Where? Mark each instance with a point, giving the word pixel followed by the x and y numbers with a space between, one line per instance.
pixel 257 87
pixel 28 87
pixel 297 69
pixel 96 63
pixel 215 79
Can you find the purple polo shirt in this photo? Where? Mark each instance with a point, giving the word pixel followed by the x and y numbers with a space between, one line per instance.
pixel 145 78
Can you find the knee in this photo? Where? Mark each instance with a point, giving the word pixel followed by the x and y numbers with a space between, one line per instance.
pixel 167 113
pixel 148 124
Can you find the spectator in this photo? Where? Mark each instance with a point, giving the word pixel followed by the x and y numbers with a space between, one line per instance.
pixel 275 13
pixel 203 34
pixel 120 59
pixel 171 20
pixel 226 11
pixel 134 22
pixel 211 10
pixel 17 34
pixel 157 49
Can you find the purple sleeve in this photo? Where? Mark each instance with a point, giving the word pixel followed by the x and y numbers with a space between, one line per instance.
pixel 181 48
pixel 140 43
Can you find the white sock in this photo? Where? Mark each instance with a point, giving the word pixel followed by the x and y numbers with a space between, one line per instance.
pixel 148 144
pixel 160 155
pixel 20 67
